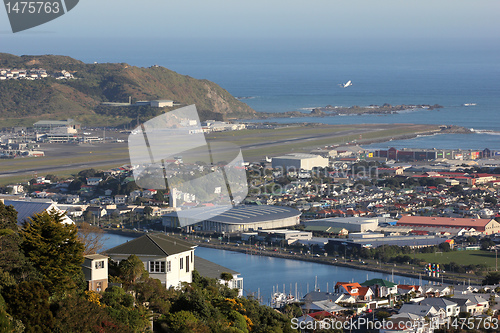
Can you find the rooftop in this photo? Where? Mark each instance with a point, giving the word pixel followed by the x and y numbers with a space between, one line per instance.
pixel 239 214
pixel 210 269
pixel 478 224
pixel 26 209
pixel 378 282
pixel 156 244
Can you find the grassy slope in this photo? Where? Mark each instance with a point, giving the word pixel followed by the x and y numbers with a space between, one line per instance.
pixel 460 257
pixel 24 102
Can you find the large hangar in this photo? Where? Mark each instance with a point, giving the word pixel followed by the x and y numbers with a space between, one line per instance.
pixel 239 219
pixel 297 161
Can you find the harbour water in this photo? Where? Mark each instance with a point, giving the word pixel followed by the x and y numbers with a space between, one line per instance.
pixel 263 275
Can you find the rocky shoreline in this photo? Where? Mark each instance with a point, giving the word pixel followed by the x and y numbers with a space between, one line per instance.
pixel 444 130
pixel 331 111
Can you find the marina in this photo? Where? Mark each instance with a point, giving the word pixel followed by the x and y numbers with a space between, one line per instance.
pixel 276 281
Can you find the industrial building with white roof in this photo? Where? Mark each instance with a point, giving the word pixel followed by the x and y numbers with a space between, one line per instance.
pixel 237 219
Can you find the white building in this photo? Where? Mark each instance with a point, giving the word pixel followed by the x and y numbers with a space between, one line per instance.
pixel 299 161
pixel 237 219
pixel 26 209
pixel 161 103
pixel 95 269
pixel 212 270
pixel 167 259
pixel 352 224
pixel 451 308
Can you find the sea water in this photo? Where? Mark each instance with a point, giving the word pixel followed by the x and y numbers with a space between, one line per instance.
pixel 298 75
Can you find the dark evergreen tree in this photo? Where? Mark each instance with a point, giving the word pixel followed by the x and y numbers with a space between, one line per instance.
pixel 29 303
pixel 13 264
pixel 54 249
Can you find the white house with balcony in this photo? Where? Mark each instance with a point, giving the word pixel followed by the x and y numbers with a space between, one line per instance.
pixel 166 258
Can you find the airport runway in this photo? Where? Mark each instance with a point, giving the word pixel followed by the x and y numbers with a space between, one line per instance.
pixel 101 152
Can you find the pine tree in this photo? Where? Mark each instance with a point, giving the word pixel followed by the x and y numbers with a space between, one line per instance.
pixel 13 265
pixel 54 249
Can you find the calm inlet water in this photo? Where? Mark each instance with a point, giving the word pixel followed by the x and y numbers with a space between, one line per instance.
pixel 265 274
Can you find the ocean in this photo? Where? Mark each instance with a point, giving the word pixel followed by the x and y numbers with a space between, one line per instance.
pixel 291 75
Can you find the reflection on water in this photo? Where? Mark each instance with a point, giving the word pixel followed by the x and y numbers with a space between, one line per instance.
pixel 261 275
pixel 266 273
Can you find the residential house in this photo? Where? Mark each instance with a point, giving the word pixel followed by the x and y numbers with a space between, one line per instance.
pixel 134 195
pixel 381 288
pixel 75 211
pixel 325 305
pixel 465 289
pixel 315 296
pixel 212 270
pixel 404 289
pixel 95 269
pixel 166 258
pixel 415 312
pixel 94 181
pixel 475 304
pixel 120 199
pixel 97 211
pixel 357 291
pixel 72 198
pixel 149 193
pixel 451 308
pixel 436 291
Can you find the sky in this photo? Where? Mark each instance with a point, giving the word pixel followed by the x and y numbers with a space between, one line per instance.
pixel 357 19
pixel 103 30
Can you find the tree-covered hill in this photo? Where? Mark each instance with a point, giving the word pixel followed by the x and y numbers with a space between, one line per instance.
pixel 81 98
pixel 43 289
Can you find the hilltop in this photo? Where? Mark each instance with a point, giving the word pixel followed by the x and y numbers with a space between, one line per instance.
pixel 25 101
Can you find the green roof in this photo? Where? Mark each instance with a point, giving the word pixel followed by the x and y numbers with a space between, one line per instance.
pixel 156 244
pixel 378 282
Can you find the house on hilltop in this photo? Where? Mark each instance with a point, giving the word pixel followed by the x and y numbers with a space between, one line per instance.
pixel 167 259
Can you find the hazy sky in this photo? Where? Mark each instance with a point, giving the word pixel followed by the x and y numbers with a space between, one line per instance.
pixel 359 19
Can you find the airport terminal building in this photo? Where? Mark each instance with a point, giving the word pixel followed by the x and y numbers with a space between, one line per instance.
pixel 239 219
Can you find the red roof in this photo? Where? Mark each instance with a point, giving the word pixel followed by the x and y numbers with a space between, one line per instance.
pixel 320 314
pixel 349 287
pixel 449 222
pixel 408 287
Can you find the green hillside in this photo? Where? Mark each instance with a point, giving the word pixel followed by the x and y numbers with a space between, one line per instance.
pixel 23 101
